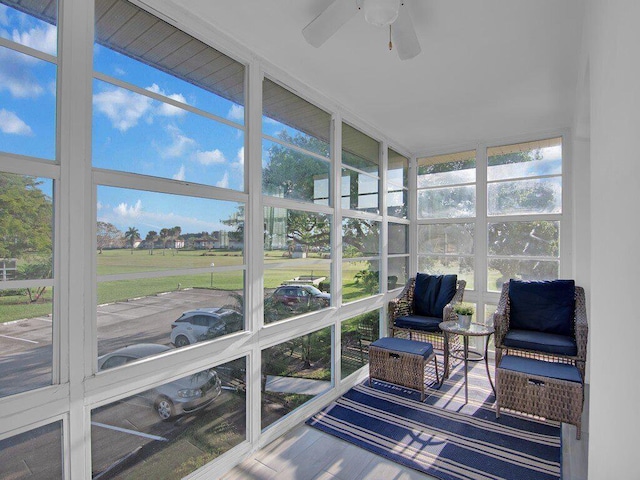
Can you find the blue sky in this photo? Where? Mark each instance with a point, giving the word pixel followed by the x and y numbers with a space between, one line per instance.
pixel 131 132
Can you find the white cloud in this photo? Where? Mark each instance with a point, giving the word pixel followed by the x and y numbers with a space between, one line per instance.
pixel 125 210
pixel 17 76
pixel 240 157
pixel 166 109
pixel 224 181
pixel 180 174
pixel 179 145
pixel 12 124
pixel 119 71
pixel 99 205
pixel 123 108
pixel 236 113
pixel 210 157
pixel 43 39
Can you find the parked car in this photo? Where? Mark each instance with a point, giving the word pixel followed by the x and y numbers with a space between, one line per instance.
pixel 185 395
pixel 204 324
pixel 296 296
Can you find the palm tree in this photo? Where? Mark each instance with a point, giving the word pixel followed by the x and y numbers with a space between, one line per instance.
pixel 165 233
pixel 132 234
pixel 152 236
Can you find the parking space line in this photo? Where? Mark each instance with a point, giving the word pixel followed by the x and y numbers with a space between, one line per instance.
pixel 21 339
pixel 132 432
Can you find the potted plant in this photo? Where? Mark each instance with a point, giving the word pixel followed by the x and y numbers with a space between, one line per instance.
pixel 464 312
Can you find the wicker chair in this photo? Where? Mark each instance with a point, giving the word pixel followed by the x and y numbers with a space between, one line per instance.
pixel 402 308
pixel 541 350
pixel 505 345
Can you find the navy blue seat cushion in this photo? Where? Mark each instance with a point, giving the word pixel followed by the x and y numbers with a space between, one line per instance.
pixel 541 342
pixel 404 345
pixel 542 306
pixel 418 322
pixel 432 292
pixel 540 368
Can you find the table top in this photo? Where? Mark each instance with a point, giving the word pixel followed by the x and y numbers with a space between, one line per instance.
pixel 474 330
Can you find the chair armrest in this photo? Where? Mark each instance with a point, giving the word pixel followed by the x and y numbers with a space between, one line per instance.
pixel 398 307
pixel 581 325
pixel 448 313
pixel 501 316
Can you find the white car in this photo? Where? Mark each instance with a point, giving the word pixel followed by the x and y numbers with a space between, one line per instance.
pixel 204 324
pixel 185 395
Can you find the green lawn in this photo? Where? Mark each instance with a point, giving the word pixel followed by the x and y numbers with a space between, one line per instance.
pixel 111 262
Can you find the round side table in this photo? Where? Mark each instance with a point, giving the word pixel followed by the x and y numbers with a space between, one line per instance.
pixel 452 327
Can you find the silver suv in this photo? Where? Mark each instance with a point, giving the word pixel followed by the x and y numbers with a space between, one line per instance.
pixel 204 324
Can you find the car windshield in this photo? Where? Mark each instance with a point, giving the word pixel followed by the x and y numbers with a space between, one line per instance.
pixel 313 290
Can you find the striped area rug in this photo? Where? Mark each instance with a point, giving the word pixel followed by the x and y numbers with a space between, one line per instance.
pixel 443 436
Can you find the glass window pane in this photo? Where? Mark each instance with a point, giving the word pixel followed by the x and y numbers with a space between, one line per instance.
pixel 133 133
pixel 147 309
pixel 398 238
pixel 447 202
pixel 357 334
pixel 360 238
pixel 292 119
pixel 296 233
pixel 289 173
pixel 462 266
pixel 295 286
pixel 32 24
pixel 359 150
pixel 446 239
pixel 134 234
pixel 398 272
pixel 521 197
pixel 502 270
pixel 360 279
pixel 173 429
pixel 541 157
pixel 135 46
pixel 27 104
pixel 526 239
pixel 450 169
pixel 26 332
pixel 294 372
pixel 397 169
pixel 33 454
pixel 397 200
pixel 359 191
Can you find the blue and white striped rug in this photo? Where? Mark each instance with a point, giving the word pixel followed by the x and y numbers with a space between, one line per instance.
pixel 443 437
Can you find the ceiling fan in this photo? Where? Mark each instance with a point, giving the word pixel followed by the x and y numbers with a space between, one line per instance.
pixel 393 13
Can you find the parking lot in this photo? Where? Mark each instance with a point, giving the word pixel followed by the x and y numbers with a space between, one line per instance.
pixel 128 431
pixel 26 358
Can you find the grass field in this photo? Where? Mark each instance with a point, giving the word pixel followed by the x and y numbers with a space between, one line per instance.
pixel 278 269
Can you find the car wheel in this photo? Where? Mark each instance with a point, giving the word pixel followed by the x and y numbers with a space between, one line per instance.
pixel 181 341
pixel 164 408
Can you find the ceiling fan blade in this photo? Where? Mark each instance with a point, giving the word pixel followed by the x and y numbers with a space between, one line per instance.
pixel 329 21
pixel 404 36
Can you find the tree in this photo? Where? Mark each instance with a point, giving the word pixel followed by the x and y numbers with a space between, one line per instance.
pixel 150 239
pixel 108 236
pixel 26 217
pixel 132 235
pixel 165 233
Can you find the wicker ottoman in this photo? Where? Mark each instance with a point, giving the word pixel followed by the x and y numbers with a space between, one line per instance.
pixel 551 390
pixel 401 362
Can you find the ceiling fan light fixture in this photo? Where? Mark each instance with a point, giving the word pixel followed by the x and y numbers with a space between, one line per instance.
pixel 381 12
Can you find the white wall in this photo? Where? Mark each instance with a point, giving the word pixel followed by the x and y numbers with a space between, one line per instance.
pixel 614 64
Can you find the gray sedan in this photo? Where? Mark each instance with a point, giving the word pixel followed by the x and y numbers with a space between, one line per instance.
pixel 185 395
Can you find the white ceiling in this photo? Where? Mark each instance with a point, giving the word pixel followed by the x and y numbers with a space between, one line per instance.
pixel 488 69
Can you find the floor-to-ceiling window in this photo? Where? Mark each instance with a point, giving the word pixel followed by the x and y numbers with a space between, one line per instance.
pixel 492 214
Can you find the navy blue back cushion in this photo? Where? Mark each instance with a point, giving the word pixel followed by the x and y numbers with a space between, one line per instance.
pixel 542 306
pixel 432 292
